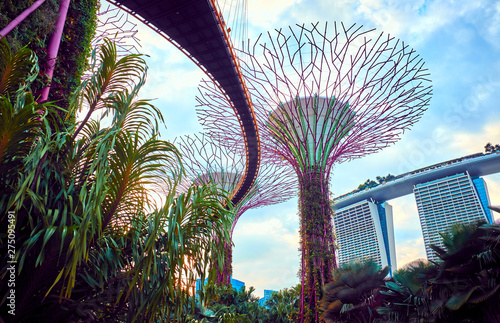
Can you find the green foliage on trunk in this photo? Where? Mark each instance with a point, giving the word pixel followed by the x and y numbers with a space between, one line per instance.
pixel 317 242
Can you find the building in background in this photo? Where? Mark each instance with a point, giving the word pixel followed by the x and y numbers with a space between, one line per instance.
pixel 365 230
pixel 267 295
pixel 236 284
pixel 453 199
pixel 446 193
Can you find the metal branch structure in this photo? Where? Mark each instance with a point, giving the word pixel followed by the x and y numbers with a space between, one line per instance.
pixel 115 24
pixel 205 161
pixel 324 95
pixel 197 29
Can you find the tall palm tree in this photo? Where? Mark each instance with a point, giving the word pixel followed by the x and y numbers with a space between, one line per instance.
pixel 353 295
pixel 90 242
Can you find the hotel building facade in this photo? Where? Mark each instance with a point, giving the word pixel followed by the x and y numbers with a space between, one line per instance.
pixel 365 230
pixel 459 198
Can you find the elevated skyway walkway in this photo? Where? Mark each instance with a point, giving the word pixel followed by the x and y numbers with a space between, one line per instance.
pixel 476 165
pixel 197 28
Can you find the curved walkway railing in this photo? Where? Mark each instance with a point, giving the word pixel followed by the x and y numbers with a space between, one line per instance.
pixel 196 28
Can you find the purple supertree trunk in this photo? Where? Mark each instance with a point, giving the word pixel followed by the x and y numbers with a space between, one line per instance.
pixel 53 47
pixel 321 98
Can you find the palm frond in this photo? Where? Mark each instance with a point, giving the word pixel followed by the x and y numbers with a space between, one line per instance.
pixel 135 167
pixel 112 77
pixel 17 70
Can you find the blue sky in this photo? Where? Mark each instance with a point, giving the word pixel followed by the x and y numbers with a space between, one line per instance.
pixel 458 40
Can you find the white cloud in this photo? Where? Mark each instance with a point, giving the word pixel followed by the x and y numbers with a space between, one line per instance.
pixel 171 82
pixel 408 235
pixel 405 213
pixel 266 14
pixel 468 142
pixel 417 20
pixel 410 250
pixel 266 254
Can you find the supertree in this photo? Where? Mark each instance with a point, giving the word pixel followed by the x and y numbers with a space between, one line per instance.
pixel 324 96
pixel 206 161
pixel 114 23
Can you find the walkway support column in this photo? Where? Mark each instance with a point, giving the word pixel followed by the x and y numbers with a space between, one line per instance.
pixel 53 48
pixel 14 23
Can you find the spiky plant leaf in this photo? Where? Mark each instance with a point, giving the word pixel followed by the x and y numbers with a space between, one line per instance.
pixel 17 70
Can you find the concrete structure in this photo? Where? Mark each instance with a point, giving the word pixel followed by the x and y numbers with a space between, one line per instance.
pixel 443 202
pixel 365 230
pixel 476 165
pixel 446 193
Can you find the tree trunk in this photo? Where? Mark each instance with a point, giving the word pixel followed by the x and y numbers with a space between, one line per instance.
pixel 224 275
pixel 317 242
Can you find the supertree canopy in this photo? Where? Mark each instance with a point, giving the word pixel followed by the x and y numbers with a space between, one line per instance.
pixel 205 161
pixel 324 95
pixel 114 23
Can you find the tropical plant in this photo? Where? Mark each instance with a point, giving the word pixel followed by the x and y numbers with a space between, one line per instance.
pixel 234 318
pixel 468 277
pixel 231 299
pixel 353 295
pixel 283 305
pixel 165 258
pixel 489 148
pixel 228 303
pixel 462 286
pixel 90 242
pixel 19 123
pixel 367 184
pixel 408 295
pixel 242 303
